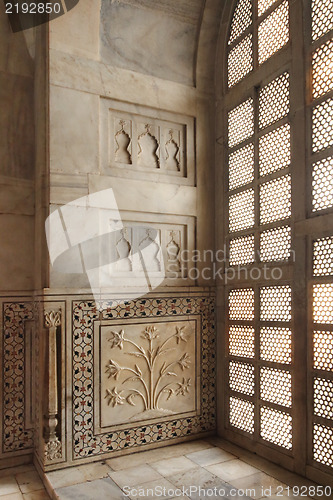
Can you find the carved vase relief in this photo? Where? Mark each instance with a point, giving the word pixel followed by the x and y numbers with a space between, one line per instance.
pixel 173 253
pixel 123 248
pixel 150 250
pixel 148 146
pixel 172 150
pixel 123 140
pixel 147 371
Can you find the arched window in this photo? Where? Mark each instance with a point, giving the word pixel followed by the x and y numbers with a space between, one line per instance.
pixel 278 118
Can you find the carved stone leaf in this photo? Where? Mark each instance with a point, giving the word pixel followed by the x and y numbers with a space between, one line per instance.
pixel 129 399
pixel 138 370
pixel 170 391
pixel 137 354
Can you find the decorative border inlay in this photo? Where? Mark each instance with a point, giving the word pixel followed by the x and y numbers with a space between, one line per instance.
pixel 85 442
pixel 15 435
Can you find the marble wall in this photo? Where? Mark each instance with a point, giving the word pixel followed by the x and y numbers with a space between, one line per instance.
pixel 16 159
pixel 125 111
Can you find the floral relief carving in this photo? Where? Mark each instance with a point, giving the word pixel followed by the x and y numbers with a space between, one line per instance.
pixel 158 372
pixel 52 319
pixel 53 450
pixel 97 427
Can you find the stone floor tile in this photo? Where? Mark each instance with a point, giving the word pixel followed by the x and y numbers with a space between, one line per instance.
pixel 36 495
pixel 152 490
pixel 258 485
pixel 150 456
pixel 12 471
pixel 13 496
pixel 29 481
pixel 8 485
pixel 99 489
pixel 172 466
pixel 232 469
pixel 134 475
pixel 79 474
pixel 199 483
pixel 210 456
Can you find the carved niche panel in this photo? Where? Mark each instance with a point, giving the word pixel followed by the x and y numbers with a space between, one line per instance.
pixel 148 371
pixel 146 143
pixel 162 244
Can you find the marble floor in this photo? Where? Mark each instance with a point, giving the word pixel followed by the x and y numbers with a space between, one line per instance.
pixel 210 468
pixel 21 483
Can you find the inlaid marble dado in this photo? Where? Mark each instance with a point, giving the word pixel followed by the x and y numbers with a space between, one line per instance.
pixel 88 438
pixel 147 370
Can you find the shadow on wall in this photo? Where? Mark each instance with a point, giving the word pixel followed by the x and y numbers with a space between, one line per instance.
pixel 17 102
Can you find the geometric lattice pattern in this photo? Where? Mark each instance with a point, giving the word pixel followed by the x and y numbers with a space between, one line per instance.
pixel 241 210
pixel 241 304
pixel 241 250
pixel 241 414
pixel 241 341
pixel 323 398
pixel 240 61
pixel 274 150
pixel 273 32
pixel 275 244
pixel 323 350
pixel 241 377
pixel 322 74
pixel 274 101
pixel 240 123
pixel 275 200
pixel 275 386
pixel 276 427
pixel 241 20
pixel 275 303
pixel 263 5
pixel 322 18
pixel 275 344
pixel 323 303
pixel 322 184
pixel 241 167
pixel 322 126
pixel 323 256
pixel 323 444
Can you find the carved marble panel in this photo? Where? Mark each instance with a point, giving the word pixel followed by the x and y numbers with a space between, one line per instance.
pixel 161 241
pixel 147 371
pixel 143 143
pixel 98 354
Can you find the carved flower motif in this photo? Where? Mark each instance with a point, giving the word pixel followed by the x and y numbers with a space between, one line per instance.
pixel 180 334
pixel 184 361
pixel 114 398
pixel 117 339
pixel 150 333
pixel 183 387
pixel 113 369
